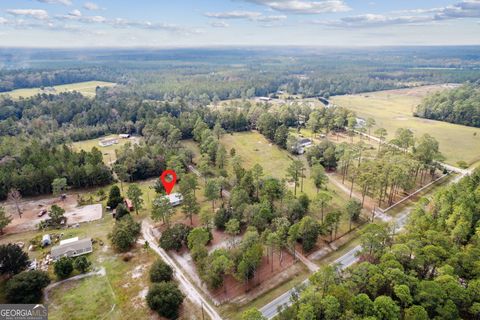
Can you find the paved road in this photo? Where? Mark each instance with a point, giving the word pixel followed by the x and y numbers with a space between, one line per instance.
pixel 187 287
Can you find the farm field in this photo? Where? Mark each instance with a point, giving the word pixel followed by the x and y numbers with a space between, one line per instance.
pixel 109 155
pixel 86 88
pixel 393 109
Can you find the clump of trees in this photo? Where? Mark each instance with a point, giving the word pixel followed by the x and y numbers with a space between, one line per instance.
pixel 163 296
pixel 33 166
pixel 427 272
pixel 459 105
pixel 125 233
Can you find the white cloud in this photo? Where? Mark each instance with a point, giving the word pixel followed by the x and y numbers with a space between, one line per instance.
pixel 248 15
pixel 75 13
pixel 63 2
pixel 3 20
pixel 33 13
pixel 463 9
pixel 304 6
pixel 234 15
pixel 219 24
pixel 91 6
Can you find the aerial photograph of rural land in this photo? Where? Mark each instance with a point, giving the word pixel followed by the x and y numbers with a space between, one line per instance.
pixel 239 159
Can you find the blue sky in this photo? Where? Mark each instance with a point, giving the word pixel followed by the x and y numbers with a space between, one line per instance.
pixel 193 23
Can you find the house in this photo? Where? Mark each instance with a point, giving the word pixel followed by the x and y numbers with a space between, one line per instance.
pixel 107 142
pixel 264 99
pixel 72 247
pixel 175 199
pixel 124 135
pixel 361 123
pixel 129 204
pixel 301 145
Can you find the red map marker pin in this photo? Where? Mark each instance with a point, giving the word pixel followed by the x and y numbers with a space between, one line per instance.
pixel 168 185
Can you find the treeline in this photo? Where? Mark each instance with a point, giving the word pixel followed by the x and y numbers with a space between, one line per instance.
pixel 17 79
pixel 31 166
pixel 460 106
pixel 427 272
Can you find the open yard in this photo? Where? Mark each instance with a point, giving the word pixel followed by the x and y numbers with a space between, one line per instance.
pixel 87 88
pixel 393 109
pixel 119 294
pixel 109 155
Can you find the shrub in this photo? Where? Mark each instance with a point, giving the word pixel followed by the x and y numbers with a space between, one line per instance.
pixel 12 259
pixel 63 267
pixel 160 271
pixel 165 298
pixel 26 287
pixel 81 264
pixel 175 237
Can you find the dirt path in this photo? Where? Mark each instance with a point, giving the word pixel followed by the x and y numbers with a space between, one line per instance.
pixel 187 287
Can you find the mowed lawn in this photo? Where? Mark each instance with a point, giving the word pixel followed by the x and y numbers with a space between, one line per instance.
pixel 393 109
pixel 87 88
pixel 254 148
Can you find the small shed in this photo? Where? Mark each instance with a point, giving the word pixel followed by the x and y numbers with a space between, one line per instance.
pixel 129 204
pixel 46 240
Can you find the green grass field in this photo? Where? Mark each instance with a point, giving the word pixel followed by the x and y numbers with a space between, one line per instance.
pixel 109 155
pixel 393 109
pixel 87 88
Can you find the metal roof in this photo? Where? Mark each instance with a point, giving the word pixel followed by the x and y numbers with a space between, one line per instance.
pixel 71 246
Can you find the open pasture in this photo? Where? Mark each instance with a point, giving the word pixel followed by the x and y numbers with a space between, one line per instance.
pixel 393 109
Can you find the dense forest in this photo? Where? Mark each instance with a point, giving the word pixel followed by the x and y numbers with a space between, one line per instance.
pixel 460 105
pixel 428 272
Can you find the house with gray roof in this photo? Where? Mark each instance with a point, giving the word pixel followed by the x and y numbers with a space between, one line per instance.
pixel 72 247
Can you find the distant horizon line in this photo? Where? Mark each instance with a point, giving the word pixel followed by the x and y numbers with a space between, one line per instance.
pixel 238 47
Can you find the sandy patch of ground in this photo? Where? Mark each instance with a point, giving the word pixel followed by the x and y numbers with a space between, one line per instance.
pixel 32 206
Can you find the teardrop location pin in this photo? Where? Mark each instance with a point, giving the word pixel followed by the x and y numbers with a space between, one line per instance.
pixel 168 184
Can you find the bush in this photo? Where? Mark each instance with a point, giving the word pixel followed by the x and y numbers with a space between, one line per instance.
pixel 26 287
pixel 175 237
pixel 221 218
pixel 125 233
pixel 160 271
pixel 12 259
pixel 165 298
pixel 114 198
pixel 81 264
pixel 121 211
pixel 63 267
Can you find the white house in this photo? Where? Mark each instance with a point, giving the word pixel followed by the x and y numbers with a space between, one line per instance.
pixel 107 142
pixel 175 199
pixel 124 135
pixel 72 247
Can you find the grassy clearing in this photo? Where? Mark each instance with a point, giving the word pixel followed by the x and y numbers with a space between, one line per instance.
pixel 87 88
pixel 393 109
pixel 93 293
pixel 109 155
